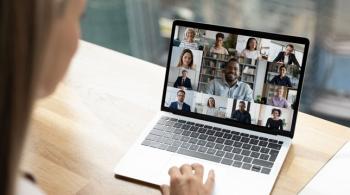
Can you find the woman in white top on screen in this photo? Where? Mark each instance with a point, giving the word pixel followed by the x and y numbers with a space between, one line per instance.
pixel 250 50
pixel 188 41
pixel 38 39
pixel 218 47
pixel 210 108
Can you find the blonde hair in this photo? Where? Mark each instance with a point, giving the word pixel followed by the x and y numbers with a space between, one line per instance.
pixel 24 31
pixel 189 30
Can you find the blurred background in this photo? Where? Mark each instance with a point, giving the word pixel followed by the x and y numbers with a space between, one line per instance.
pixel 142 28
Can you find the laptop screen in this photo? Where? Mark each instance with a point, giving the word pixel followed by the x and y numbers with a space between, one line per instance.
pixel 250 80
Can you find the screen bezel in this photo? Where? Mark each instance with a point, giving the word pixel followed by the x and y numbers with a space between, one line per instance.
pixel 227 121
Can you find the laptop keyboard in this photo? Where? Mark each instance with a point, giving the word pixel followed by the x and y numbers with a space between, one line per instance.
pixel 223 146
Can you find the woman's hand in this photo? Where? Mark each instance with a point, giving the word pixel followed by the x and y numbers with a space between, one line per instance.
pixel 188 180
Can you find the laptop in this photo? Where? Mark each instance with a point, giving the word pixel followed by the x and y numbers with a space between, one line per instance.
pixel 230 102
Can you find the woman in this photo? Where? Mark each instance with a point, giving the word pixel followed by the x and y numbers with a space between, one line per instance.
pixel 186 59
pixel 211 109
pixel 218 48
pixel 275 122
pixel 188 41
pixel 250 50
pixel 38 38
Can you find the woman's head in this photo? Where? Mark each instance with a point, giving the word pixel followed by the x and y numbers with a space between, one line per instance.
pixel 211 102
pixel 276 113
pixel 190 34
pixel 219 41
pixel 252 44
pixel 186 59
pixel 37 40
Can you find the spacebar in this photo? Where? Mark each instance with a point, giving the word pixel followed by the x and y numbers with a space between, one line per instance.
pixel 199 155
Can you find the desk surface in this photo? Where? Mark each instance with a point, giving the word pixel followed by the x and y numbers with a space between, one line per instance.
pixel 79 134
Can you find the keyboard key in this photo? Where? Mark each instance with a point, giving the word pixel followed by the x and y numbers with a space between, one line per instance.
pixel 274 146
pixel 253 136
pixel 219 140
pixel 186 133
pixel 263 143
pixel 226 161
pixel 194 134
pixel 273 141
pixel 228 142
pixel 176 136
pixel 255 154
pixel 237 150
pixel 194 147
pixel 247 166
pixel 226 131
pixel 193 140
pixel 227 136
pixel 177 143
pixel 264 157
pixel 202 142
pixel 218 134
pixel 272 151
pixel 254 141
pixel 245 152
pixel 237 144
pixel 185 145
pixel 264 150
pixel 273 157
pixel 217 129
pixel 202 130
pixel 263 138
pixel 202 149
pixel 280 142
pixel 178 125
pixel 211 138
pixel 219 146
pixel 220 153
pixel 228 148
pixel 208 127
pixel 234 132
pixel 185 138
pixel 244 139
pixel 198 125
pixel 210 132
pixel 156 132
pixel 238 157
pixel 152 137
pixel 255 148
pixel 246 146
pixel 236 137
pixel 237 164
pixel 211 151
pixel 210 144
pixel 190 123
pixel 262 163
pixel 256 168
pixel 229 155
pixel 244 135
pixel 203 136
pixel 247 159
pixel 181 121
pixel 199 155
pixel 265 170
pixel 194 128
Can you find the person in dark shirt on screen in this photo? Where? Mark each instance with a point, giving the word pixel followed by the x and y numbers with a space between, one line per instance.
pixel 180 103
pixel 282 79
pixel 241 114
pixel 183 82
pixel 287 57
pixel 275 122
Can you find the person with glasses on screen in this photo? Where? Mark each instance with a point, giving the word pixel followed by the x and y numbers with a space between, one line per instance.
pixel 241 114
pixel 219 48
pixel 287 57
pixel 183 82
pixel 180 103
pixel 282 79
pixel 229 85
pixel 188 41
pixel 275 122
